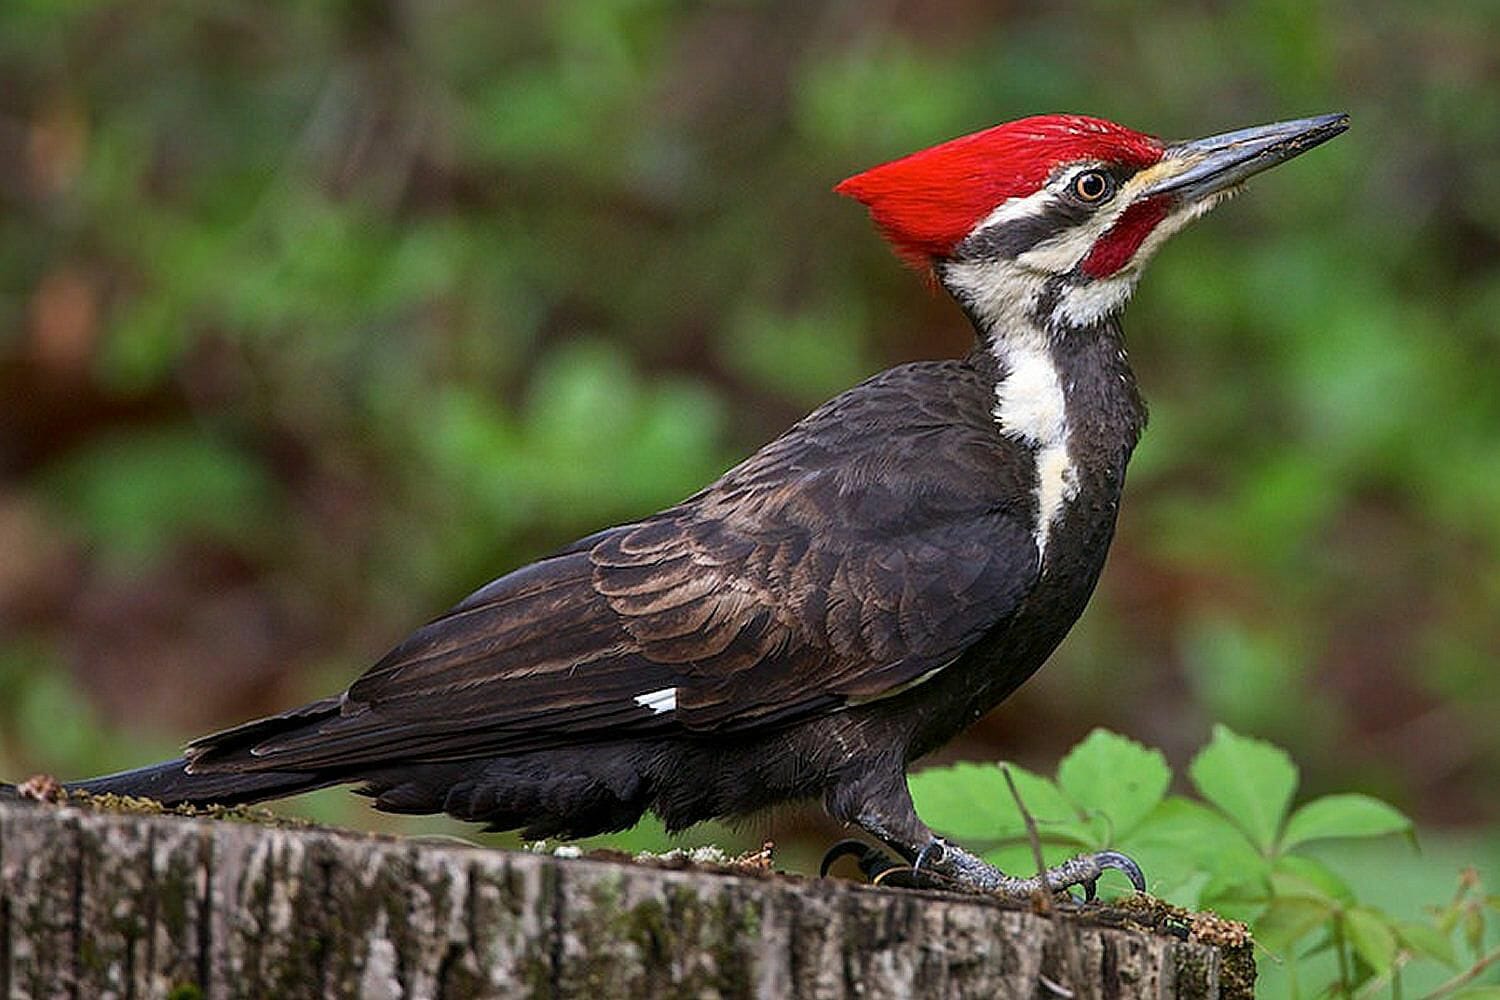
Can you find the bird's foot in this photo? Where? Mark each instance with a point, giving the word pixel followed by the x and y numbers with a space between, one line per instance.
pixel 976 873
pixel 880 868
pixel 941 865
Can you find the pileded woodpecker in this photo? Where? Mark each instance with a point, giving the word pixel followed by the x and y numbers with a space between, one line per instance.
pixel 845 600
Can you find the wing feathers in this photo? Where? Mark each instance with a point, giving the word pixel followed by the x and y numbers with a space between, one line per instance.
pixel 854 555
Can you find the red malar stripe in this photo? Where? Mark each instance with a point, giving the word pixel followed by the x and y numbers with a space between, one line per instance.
pixel 1116 247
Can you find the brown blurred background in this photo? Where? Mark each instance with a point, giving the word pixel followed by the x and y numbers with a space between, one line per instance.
pixel 313 317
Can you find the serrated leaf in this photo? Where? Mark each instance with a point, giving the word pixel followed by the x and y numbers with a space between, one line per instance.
pixel 1427 940
pixel 1182 844
pixel 1116 778
pixel 1299 876
pixel 1017 859
pixel 972 804
pixel 968 802
pixel 1251 780
pixel 1348 815
pixel 1287 921
pixel 1373 938
pixel 1057 817
pixel 1201 833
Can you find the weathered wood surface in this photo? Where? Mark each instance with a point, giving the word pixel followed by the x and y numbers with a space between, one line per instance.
pixel 97 904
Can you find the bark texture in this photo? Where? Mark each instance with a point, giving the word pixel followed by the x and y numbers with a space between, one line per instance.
pixel 101 904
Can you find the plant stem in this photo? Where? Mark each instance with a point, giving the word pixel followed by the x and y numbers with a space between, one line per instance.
pixel 1044 898
pixel 1465 977
pixel 1346 989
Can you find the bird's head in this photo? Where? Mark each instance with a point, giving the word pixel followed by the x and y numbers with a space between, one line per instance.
pixel 1049 220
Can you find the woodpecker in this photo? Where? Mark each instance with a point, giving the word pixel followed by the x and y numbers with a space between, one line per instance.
pixel 845 600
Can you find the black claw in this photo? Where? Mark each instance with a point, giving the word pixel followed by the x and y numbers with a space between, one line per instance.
pixel 881 868
pixel 1119 862
pixel 876 865
pixel 843 849
pixel 932 845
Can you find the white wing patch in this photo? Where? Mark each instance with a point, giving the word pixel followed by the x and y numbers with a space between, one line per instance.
pixel 659 702
pixel 1030 405
pixel 901 688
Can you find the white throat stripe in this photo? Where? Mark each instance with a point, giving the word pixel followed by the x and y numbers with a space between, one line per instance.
pixel 1030 405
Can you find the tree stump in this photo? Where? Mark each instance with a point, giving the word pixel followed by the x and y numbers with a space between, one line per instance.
pixel 104 904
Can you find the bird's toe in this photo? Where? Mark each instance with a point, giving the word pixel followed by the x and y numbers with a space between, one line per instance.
pixel 881 868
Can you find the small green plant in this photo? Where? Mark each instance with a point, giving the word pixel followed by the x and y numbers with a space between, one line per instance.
pixel 1239 849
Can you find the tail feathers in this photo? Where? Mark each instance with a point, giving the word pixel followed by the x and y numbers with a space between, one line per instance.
pixel 171 784
pixel 225 767
pixel 244 740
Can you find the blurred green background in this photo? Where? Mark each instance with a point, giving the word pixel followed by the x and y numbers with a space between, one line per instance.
pixel 315 316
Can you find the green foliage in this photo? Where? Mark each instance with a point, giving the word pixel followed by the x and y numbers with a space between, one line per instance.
pixel 131 493
pixel 1239 848
pixel 347 308
pixel 1251 783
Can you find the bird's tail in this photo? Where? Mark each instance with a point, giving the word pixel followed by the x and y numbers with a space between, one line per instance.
pixel 171 784
pixel 223 769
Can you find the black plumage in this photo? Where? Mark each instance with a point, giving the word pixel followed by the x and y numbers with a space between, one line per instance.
pixel 841 603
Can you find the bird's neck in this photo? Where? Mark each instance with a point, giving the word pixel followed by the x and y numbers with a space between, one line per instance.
pixel 1051 358
pixel 1065 389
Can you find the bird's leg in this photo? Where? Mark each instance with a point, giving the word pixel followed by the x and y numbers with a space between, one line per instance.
pixel 884 810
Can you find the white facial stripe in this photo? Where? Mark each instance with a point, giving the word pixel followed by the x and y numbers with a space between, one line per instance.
pixel 1003 295
pixel 661 701
pixel 1012 209
pixel 1030 405
pixel 1086 304
pixel 1000 293
pixel 1065 251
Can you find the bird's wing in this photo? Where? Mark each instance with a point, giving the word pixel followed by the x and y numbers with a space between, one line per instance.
pixel 863 550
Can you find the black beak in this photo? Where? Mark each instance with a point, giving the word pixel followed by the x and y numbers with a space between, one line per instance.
pixel 1210 165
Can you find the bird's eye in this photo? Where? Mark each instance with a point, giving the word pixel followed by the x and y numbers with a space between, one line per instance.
pixel 1093 186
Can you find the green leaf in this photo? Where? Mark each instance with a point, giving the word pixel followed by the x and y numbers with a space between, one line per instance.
pixel 1181 843
pixel 1373 937
pixel 1238 898
pixel 1288 920
pixel 1427 940
pixel 1249 779
pixel 1478 993
pixel 1017 859
pixel 968 802
pixel 1116 777
pixel 1349 815
pixel 1056 817
pixel 1299 876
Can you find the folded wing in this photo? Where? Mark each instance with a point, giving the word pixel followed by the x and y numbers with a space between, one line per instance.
pixel 842 563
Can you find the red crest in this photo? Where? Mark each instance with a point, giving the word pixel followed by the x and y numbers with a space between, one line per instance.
pixel 927 202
